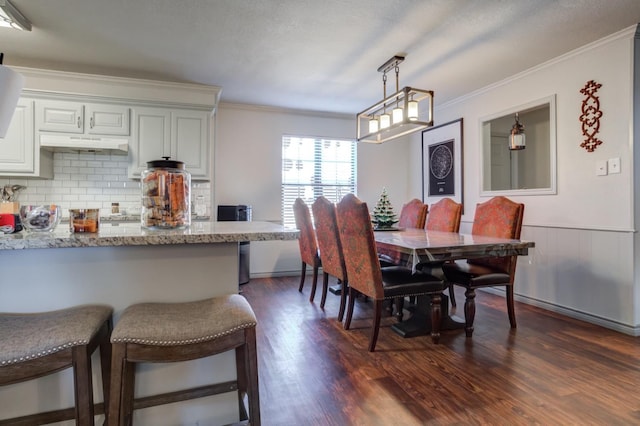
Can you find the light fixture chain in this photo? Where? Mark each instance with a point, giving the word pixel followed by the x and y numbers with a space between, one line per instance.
pixel 384 85
pixel 397 78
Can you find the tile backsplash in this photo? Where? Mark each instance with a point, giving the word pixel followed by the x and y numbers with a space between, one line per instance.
pixel 92 180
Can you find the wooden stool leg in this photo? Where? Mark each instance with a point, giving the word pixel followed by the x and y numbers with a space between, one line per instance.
pixel 251 362
pixel 242 377
pixel 105 365
pixel 83 385
pixel 128 386
pixel 116 414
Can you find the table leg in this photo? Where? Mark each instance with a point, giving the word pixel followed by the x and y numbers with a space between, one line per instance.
pixel 419 324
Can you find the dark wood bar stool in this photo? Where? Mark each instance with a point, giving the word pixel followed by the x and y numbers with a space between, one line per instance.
pixel 33 345
pixel 171 332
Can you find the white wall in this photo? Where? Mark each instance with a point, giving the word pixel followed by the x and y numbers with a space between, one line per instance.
pixel 248 164
pixel 584 260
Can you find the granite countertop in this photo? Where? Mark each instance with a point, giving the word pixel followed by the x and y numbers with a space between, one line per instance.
pixel 131 234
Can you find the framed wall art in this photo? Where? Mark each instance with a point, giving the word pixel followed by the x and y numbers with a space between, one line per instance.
pixel 442 163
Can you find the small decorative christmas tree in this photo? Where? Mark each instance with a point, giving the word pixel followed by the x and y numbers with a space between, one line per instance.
pixel 383 215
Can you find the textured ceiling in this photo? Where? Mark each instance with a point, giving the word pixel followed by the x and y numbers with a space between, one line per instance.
pixel 318 55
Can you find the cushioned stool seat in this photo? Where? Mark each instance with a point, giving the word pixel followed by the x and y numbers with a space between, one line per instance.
pixel 170 332
pixel 37 344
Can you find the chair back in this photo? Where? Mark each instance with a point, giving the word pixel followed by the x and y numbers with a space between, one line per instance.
pixel 413 214
pixel 444 216
pixel 359 247
pixel 326 221
pixel 502 218
pixel 307 239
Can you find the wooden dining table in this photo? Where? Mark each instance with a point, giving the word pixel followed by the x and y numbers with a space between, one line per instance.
pixel 422 249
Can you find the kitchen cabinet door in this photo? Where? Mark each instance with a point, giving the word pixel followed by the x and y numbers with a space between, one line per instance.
pixel 60 116
pixel 182 135
pixel 107 119
pixel 151 138
pixel 190 141
pixel 82 118
pixel 19 151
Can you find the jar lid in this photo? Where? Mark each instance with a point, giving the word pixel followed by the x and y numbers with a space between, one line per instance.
pixel 165 164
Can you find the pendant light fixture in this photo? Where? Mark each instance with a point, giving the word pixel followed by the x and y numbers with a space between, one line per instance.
pixel 517 136
pixel 411 110
pixel 11 17
pixel 10 86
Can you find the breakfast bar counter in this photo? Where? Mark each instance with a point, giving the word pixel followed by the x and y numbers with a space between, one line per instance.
pixel 121 265
pixel 132 234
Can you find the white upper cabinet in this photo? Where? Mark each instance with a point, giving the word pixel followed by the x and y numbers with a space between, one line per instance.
pixel 181 134
pixel 82 118
pixel 190 141
pixel 19 150
pixel 154 118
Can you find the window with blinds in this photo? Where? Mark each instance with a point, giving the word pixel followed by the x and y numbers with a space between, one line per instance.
pixel 312 167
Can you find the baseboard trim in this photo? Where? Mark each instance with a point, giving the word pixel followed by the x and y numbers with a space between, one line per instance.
pixel 572 313
pixel 273 274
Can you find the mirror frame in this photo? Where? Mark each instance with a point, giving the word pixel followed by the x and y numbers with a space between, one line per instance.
pixel 552 190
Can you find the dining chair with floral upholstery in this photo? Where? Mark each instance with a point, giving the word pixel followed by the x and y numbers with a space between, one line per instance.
pixel 413 214
pixel 366 277
pixel 498 217
pixel 307 243
pixel 326 221
pixel 445 216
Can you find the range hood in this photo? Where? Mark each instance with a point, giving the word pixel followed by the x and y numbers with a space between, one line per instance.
pixel 68 143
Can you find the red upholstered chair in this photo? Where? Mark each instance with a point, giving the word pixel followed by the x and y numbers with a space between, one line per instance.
pixel 498 217
pixel 368 278
pixel 308 244
pixel 324 214
pixel 445 216
pixel 413 214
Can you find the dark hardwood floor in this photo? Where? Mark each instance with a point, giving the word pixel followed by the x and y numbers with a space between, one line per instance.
pixel 551 370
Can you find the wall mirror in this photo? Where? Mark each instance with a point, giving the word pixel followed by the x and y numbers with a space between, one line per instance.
pixel 530 171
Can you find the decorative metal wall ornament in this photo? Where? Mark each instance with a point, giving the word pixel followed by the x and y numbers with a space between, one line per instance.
pixel 590 117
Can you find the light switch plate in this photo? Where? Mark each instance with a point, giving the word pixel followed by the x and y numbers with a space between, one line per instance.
pixel 601 168
pixel 614 165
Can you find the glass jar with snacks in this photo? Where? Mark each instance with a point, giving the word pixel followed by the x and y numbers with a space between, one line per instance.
pixel 166 195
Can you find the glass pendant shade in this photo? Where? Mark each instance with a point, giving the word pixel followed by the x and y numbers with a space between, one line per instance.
pixel 373 125
pixel 397 115
pixel 517 138
pixel 517 141
pixel 385 121
pixel 412 110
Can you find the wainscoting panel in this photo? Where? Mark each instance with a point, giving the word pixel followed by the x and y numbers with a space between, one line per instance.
pixel 582 273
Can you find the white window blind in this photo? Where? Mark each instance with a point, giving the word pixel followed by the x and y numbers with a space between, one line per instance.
pixel 312 167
